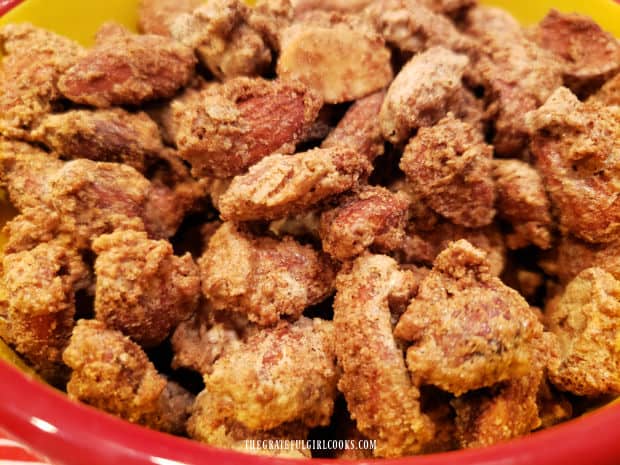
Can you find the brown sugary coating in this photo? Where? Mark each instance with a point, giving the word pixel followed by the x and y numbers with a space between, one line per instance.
pixel 128 69
pixel 585 320
pixel 468 330
pixel 523 202
pixel 450 168
pixel 589 54
pixel 32 63
pixel 377 387
pixel 372 218
pixel 162 113
pixel 201 340
pixel 487 24
pixel 575 145
pixel 324 51
pixel 282 374
pixel 572 256
pixel 421 216
pixel 207 231
pixel 518 75
pixel 360 129
pixel 420 93
pixel 223 40
pixel 512 408
pixel 156 16
pixel 143 289
pixel 412 26
pixel 508 411
pixel 110 30
pixel 94 198
pixel 39 301
pixel 24 172
pixel 33 226
pixel 225 129
pixel 113 135
pixel 262 277
pixel 609 94
pixel 422 246
pixel 269 17
pixel 211 423
pixel 113 374
pixel 281 185
pixel 467 107
pixel 302 7
pixel 166 207
pixel 11 146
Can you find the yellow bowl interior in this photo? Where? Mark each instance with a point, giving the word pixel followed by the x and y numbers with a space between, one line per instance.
pixel 76 19
pixel 79 20
pixel 604 12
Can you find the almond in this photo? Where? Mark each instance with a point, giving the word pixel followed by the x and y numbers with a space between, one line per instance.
pixel 325 54
pixel 589 54
pixel 421 93
pixel 360 128
pixel 226 129
pixel 281 185
pixel 155 16
pixel 113 135
pixel 128 69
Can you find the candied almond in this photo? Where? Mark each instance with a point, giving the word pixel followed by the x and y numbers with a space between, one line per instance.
pixel 360 129
pixel 225 129
pixel 223 40
pixel 155 16
pixel 128 69
pixel 589 54
pixel 420 93
pixel 585 319
pixel 280 185
pixel 33 61
pixel 450 167
pixel 468 329
pixel 379 391
pixel 113 135
pixel 326 55
pixel 373 217
pixel 575 146
pixel 261 277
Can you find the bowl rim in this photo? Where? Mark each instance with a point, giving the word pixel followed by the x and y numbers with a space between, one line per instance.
pixel 70 433
pixel 8 5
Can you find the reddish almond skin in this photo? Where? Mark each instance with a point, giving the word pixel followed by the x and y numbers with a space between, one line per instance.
pixel 373 217
pixel 128 69
pixel 589 55
pixel 269 130
pixel 227 128
pixel 360 128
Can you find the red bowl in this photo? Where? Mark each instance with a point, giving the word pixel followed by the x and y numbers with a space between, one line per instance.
pixel 68 433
